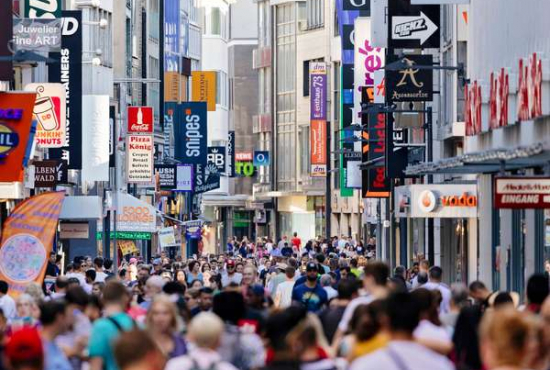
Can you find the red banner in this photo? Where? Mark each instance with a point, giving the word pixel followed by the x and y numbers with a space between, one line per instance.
pixel 27 240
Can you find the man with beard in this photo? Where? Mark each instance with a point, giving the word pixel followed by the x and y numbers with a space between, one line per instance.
pixel 310 294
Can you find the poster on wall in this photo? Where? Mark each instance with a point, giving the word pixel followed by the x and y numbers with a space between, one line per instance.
pixel 140 158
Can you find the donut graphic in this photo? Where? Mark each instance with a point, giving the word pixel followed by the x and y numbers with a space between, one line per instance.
pixel 22 257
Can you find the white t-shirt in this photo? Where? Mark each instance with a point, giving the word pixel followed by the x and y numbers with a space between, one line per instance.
pixel 445 305
pixel 204 358
pixel 284 294
pixel 402 355
pixel 100 277
pixel 331 292
pixel 81 278
pixel 427 330
pixel 7 304
pixel 350 309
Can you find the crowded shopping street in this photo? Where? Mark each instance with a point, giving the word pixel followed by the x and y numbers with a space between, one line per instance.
pixel 274 185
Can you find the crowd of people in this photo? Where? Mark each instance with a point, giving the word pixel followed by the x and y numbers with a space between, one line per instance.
pixel 321 305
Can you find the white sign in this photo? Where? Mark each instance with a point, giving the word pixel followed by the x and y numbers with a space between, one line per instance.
pixel 166 237
pixel 438 2
pixel 140 158
pixel 379 26
pixel 354 179
pixel 134 214
pixel 184 178
pixel 440 201
pixel 74 231
pixel 413 28
pixel 95 138
pixel 50 111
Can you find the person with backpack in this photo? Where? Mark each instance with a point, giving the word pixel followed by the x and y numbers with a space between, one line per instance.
pixel 107 329
pixel 205 332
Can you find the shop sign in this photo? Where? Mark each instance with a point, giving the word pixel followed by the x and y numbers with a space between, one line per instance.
pixel 185 179
pixel 318 116
pixel 318 145
pixel 472 108
pixel 45 174
pixel 231 154
pixel 191 133
pixel 443 201
pixel 15 128
pixel 37 34
pixel 204 88
pixel 6 36
pixel 245 169
pixel 167 176
pixel 360 5
pixel 68 71
pixel 127 247
pixel 96 130
pixel 261 158
pixel 207 178
pixel 411 84
pixel 125 235
pixel 48 9
pixel 49 110
pixel 216 156
pixel 167 237
pixel 69 230
pixel 498 99
pixel 140 158
pixel 244 156
pixel 530 88
pixel 193 229
pixel 522 192
pixel 134 214
pixel 140 120
pixel 413 26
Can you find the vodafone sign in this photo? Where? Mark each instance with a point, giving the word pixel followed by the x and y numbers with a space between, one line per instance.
pixel 443 201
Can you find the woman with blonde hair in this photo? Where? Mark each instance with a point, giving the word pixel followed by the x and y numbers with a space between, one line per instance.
pixel 164 324
pixel 510 340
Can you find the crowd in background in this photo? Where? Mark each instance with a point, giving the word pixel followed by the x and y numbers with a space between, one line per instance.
pixel 320 305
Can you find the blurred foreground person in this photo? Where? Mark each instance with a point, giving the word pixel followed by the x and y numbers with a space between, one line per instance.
pixel 402 352
pixel 55 319
pixel 24 350
pixel 136 350
pixel 164 326
pixel 205 332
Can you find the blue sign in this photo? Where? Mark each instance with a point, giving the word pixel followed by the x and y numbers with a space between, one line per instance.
pixel 191 134
pixel 171 35
pixel 261 158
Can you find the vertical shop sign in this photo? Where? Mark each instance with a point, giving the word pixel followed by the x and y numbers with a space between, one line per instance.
pixel 318 118
pixel 204 88
pixel 140 158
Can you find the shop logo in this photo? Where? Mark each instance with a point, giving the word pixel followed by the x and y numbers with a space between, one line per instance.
pixel 465 200
pixel 427 201
pixel 410 74
pixel 8 140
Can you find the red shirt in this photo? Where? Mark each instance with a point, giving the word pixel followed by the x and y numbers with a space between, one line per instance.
pixel 296 242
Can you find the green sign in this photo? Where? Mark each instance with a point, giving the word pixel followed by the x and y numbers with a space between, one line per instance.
pixel 47 9
pixel 130 235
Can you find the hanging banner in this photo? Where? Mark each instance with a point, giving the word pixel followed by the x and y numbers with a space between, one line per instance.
pixel 191 133
pixel 204 88
pixel 45 174
pixel 231 154
pixel 167 237
pixel 167 176
pixel 216 156
pixel 6 35
pixel 47 9
pixel 140 120
pixel 49 110
pixel 16 112
pixel 411 84
pixel 27 240
pixel 318 118
pixel 413 26
pixel 68 71
pixel 207 178
pixel 140 158
pixel 37 34
pixel 318 143
pixel 185 179
pixel 95 146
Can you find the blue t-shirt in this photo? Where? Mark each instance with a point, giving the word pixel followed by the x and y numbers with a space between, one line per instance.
pixel 104 332
pixel 312 298
pixel 55 359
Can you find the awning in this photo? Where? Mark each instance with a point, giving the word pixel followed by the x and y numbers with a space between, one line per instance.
pixel 211 200
pixel 81 208
pixel 489 161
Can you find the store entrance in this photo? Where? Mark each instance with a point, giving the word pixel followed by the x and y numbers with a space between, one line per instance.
pixel 454 249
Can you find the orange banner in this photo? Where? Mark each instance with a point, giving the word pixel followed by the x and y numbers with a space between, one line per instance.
pixel 204 88
pixel 27 240
pixel 16 112
pixel 318 142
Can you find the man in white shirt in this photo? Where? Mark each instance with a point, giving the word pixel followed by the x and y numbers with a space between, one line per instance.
pixel 435 277
pixel 100 276
pixel 7 304
pixel 402 353
pixel 326 283
pixel 283 294
pixel 423 266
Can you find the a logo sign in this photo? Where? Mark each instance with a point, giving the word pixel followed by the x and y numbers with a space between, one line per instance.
pixel 27 240
pixel 47 9
pixel 207 178
pixel 361 5
pixel 166 176
pixel 45 174
pixel 443 201
pixel 216 156
pixel 49 110
pixel 68 71
pixel 427 201
pixel 411 84
pixel 245 169
pixel 185 178
pixel 472 108
pixel 191 134
pixel 15 129
pixel 375 182
pixel 413 26
pixel 244 156
pixel 140 120
pixel 522 192
pixel 140 158
pixel 261 158
pixel 204 88
pixel 498 99
pixel 231 154
pixel 530 88
pixel 37 34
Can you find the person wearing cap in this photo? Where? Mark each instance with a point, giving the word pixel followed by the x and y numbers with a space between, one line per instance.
pixel 230 275
pixel 310 294
pixel 24 350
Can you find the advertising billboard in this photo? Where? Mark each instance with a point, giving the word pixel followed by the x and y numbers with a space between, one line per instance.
pixel 50 110
pixel 191 133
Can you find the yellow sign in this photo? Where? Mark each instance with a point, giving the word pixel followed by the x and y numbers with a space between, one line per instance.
pixel 127 247
pixel 204 88
pixel 172 87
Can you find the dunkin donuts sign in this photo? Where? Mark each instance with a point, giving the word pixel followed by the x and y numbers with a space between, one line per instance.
pixel 49 112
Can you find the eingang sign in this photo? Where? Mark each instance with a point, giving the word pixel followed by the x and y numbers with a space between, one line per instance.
pixel 522 192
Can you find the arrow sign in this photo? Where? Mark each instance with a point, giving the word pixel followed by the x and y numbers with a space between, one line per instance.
pixel 413 28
